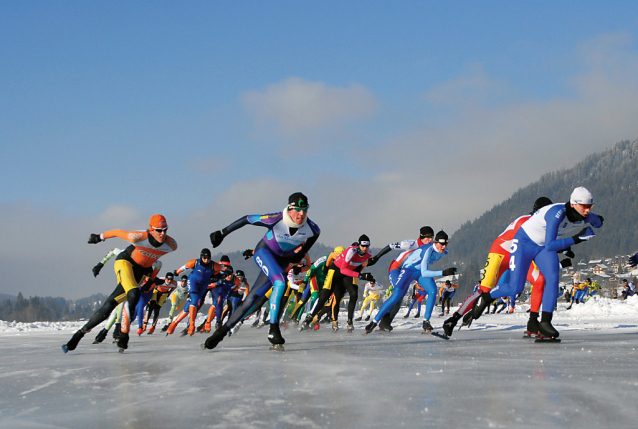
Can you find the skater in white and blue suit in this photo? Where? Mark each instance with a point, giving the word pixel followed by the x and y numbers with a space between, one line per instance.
pixel 417 267
pixel 552 229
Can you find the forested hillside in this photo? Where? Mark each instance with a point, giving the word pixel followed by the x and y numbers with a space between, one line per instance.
pixel 611 176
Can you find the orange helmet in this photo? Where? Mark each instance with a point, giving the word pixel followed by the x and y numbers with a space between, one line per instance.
pixel 157 221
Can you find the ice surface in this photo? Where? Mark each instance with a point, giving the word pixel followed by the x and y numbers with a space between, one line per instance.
pixel 487 376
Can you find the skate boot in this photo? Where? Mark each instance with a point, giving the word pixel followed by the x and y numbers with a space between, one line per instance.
pixel 417 315
pixel 545 329
pixel 122 343
pixel 206 327
pixel 370 327
pixel 218 325
pixel 350 325
pixel 406 315
pixel 481 304
pixel 427 327
pixel 441 314
pixel 212 341
pixel 151 330
pixel 532 326
pixel 140 330
pixel 467 319
pixel 171 328
pixel 165 328
pixel 184 332
pixel 358 319
pixel 117 331
pixel 511 310
pixel 274 335
pixel 73 342
pixel 449 324
pixel 101 336
pixel 384 325
pixel 200 328
pixel 367 318
pixel 191 330
pixel 335 326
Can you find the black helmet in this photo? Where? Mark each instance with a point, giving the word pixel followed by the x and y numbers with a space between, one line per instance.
pixel 441 238
pixel 240 273
pixel 170 274
pixel 540 203
pixel 426 231
pixel 184 278
pixel 205 253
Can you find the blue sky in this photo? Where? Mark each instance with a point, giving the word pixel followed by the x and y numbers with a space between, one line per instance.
pixel 388 115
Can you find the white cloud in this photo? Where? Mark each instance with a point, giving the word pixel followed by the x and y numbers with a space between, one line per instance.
pixel 297 106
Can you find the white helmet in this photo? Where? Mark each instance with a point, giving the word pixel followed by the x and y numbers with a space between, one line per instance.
pixel 581 196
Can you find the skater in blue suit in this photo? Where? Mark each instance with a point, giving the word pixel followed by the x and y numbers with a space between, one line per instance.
pixel 551 229
pixel 289 237
pixel 417 267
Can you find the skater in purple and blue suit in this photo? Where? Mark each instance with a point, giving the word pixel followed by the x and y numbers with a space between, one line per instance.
pixel 551 229
pixel 289 237
pixel 417 267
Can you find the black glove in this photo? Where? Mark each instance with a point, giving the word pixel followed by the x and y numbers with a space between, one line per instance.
pixel 449 271
pixel 372 261
pixel 97 268
pixel 296 270
pixel 568 252
pixel 94 238
pixel 366 276
pixel 248 254
pixel 566 263
pixel 601 220
pixel 175 275
pixel 216 238
pixel 633 260
pixel 577 238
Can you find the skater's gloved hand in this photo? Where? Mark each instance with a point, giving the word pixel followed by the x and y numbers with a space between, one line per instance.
pixel 94 238
pixel 97 268
pixel 602 220
pixel 633 260
pixel 302 287
pixel 566 263
pixel 584 235
pixel 372 261
pixel 366 276
pixel 449 271
pixel 216 238
pixel 248 254
pixel 568 252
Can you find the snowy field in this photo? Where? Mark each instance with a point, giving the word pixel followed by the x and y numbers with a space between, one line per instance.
pixel 487 376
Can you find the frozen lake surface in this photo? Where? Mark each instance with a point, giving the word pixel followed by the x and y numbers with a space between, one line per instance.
pixel 487 376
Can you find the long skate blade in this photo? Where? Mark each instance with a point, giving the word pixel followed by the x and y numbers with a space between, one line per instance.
pixel 97 342
pixel 277 348
pixel 547 340
pixel 442 336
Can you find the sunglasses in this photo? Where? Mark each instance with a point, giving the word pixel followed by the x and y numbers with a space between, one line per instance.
pixel 160 229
